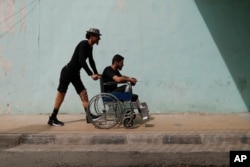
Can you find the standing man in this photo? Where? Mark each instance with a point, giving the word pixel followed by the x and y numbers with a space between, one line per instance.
pixel 71 74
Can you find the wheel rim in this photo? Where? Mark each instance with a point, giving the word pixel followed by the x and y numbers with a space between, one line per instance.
pixel 108 108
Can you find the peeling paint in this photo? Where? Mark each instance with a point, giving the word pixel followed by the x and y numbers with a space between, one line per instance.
pixel 7 9
pixel 22 16
pixel 121 4
pixel 5 65
pixel 11 15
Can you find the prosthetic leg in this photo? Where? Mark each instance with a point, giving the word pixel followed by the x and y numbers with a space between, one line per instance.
pixel 84 98
pixel 85 102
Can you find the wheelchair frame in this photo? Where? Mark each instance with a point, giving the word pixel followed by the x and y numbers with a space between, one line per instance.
pixel 106 110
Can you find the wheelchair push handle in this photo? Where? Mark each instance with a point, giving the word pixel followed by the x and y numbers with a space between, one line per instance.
pixel 96 76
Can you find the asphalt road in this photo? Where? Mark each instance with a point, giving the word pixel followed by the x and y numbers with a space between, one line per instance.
pixel 116 155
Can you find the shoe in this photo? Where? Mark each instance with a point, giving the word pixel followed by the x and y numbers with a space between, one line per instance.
pixel 93 118
pixel 55 122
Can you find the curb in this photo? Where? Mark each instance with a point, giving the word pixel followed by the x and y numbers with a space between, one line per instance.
pixel 8 140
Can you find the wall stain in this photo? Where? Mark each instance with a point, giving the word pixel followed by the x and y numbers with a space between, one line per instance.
pixel 121 4
pixel 12 15
pixel 8 109
pixel 5 65
pixel 7 10
pixel 242 83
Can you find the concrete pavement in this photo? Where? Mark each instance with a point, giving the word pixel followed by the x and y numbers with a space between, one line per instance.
pixel 182 128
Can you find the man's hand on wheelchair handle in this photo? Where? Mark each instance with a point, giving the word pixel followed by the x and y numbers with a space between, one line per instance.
pixel 96 76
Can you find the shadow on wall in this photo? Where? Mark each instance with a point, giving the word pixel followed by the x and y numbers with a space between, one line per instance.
pixel 229 24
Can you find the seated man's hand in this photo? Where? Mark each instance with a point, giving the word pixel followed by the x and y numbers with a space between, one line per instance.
pixel 133 81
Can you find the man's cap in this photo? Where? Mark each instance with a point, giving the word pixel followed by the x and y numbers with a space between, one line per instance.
pixel 94 31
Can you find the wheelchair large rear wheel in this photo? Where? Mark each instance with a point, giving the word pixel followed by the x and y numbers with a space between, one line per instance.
pixel 104 111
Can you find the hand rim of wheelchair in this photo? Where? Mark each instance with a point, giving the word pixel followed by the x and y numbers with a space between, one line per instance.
pixel 108 108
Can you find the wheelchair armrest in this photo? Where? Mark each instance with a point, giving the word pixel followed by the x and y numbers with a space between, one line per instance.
pixel 111 83
pixel 126 83
pixel 120 83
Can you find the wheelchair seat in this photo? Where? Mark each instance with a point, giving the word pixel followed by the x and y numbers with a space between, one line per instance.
pixel 122 96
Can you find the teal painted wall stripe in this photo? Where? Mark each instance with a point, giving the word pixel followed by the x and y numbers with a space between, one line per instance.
pixel 189 56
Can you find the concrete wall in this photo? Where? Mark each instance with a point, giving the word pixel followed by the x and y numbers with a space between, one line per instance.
pixel 189 56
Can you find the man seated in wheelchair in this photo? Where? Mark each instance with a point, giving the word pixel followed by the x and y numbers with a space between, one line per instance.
pixel 112 77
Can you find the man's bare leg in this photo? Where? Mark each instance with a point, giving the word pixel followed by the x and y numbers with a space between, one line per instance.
pixel 53 118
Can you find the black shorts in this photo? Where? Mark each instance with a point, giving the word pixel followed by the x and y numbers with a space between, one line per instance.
pixel 67 77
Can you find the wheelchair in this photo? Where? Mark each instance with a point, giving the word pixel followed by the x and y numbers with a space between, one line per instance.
pixel 115 108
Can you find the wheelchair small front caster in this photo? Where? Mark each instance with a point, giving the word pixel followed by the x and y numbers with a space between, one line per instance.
pixel 128 123
pixel 130 114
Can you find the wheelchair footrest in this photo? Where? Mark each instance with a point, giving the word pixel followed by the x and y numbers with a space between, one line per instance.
pixel 144 111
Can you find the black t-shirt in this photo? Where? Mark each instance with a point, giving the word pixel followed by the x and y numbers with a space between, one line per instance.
pixel 82 51
pixel 107 76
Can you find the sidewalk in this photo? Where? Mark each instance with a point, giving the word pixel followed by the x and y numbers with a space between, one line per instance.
pixel 180 128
